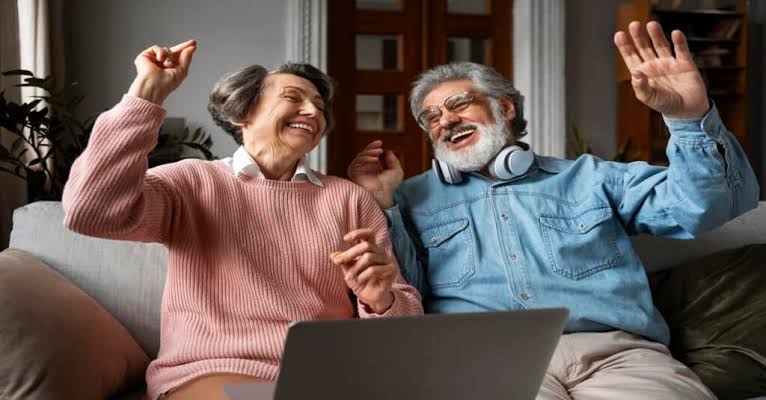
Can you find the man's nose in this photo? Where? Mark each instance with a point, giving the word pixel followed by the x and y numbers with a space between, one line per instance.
pixel 448 119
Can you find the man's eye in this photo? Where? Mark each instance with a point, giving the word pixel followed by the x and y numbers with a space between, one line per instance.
pixel 459 105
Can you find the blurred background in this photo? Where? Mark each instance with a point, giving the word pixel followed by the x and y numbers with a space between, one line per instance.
pixel 559 53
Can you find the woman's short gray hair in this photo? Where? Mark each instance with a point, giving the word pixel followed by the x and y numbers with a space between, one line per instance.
pixel 484 78
pixel 233 96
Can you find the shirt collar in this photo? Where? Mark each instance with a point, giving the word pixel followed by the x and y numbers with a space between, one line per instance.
pixel 244 164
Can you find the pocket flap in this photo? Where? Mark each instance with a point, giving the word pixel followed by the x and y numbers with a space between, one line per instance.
pixel 582 223
pixel 436 235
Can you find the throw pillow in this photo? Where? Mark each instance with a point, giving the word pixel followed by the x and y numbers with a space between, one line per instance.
pixel 57 342
pixel 716 309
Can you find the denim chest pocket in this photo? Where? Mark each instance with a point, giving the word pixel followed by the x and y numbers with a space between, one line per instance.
pixel 582 245
pixel 449 247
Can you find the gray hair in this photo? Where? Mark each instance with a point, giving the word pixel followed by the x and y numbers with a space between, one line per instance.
pixel 234 94
pixel 484 78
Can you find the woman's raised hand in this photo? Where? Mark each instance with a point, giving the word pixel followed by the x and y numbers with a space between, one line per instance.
pixel 160 70
pixel 368 270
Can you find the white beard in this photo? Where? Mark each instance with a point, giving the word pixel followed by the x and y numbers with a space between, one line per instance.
pixel 492 139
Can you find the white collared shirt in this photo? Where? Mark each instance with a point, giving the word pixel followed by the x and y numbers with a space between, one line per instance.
pixel 242 163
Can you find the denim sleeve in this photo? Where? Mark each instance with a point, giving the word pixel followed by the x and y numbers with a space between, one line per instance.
pixel 708 182
pixel 404 248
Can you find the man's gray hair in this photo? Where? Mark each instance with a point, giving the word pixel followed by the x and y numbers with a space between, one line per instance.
pixel 485 79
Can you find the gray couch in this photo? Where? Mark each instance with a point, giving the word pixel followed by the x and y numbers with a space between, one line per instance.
pixel 128 278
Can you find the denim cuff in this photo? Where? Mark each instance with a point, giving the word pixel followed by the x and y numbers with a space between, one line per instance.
pixel 710 125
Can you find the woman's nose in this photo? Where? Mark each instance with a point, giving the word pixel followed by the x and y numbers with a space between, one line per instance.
pixel 309 109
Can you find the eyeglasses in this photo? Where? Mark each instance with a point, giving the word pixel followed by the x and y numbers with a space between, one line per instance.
pixel 429 118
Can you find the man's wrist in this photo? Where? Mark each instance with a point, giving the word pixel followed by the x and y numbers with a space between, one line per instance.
pixel 146 90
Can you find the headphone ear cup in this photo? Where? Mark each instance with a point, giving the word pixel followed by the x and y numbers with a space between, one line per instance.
pixel 511 162
pixel 446 173
pixel 520 160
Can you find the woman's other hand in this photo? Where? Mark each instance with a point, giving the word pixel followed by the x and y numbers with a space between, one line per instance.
pixel 160 70
pixel 368 270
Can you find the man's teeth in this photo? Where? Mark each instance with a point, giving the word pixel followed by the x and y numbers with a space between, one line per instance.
pixel 460 135
pixel 302 126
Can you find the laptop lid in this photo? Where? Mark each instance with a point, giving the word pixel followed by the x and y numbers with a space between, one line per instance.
pixel 439 356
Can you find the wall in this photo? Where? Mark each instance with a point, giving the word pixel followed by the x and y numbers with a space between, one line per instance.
pixel 590 72
pixel 103 38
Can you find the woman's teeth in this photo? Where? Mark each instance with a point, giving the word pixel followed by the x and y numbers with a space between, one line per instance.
pixel 305 127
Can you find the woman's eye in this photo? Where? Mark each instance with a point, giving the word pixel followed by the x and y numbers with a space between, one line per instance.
pixel 292 98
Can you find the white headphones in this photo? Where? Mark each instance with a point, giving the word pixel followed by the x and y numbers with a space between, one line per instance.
pixel 509 163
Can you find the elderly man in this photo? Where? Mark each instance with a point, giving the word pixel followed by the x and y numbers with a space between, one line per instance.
pixel 494 227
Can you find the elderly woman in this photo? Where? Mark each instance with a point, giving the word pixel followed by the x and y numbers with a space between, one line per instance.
pixel 255 241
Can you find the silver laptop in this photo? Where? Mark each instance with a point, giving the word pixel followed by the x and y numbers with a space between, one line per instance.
pixel 439 356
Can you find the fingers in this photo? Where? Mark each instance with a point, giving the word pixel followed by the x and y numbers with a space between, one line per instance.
pixel 169 57
pixel 391 160
pixel 385 273
pixel 359 234
pixel 681 46
pixel 627 51
pixel 641 40
pixel 374 145
pixel 641 86
pixel 659 41
pixel 177 49
pixel 367 260
pixel 184 59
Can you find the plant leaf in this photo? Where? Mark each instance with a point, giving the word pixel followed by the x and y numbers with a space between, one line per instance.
pixel 14 72
pixel 16 144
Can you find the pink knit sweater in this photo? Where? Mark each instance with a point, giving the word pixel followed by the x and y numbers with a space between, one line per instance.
pixel 247 256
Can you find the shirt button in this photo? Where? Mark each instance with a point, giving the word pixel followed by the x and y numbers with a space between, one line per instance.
pixel 581 226
pixel 434 239
pixel 512 257
pixel 504 217
pixel 524 296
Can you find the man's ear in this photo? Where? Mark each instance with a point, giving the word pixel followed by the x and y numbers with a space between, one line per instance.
pixel 509 110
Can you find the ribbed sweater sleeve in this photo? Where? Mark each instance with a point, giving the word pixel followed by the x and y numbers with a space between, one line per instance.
pixel 407 299
pixel 109 194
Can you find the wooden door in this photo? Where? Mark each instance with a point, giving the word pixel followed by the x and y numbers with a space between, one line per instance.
pixel 376 49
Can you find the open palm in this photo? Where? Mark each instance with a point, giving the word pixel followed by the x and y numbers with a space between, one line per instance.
pixel 671 85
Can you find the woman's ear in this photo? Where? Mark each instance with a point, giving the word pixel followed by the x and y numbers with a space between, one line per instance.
pixel 509 110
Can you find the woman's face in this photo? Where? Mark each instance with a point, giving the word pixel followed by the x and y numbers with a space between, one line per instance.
pixel 287 119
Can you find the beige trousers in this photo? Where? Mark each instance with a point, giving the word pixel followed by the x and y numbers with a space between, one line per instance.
pixel 617 365
pixel 206 387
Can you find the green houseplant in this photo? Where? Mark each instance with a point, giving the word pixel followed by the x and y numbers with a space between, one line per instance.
pixel 49 139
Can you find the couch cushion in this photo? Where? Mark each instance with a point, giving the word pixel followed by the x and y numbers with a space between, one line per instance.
pixel 716 309
pixel 660 253
pixel 56 341
pixel 126 278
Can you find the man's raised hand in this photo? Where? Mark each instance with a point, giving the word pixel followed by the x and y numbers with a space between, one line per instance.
pixel 671 85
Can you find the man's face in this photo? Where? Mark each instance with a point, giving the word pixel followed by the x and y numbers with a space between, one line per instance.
pixel 467 137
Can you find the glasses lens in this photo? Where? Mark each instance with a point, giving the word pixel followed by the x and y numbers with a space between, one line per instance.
pixel 458 102
pixel 429 118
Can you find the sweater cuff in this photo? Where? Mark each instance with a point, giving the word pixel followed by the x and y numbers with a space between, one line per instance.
pixel 140 106
pixel 366 312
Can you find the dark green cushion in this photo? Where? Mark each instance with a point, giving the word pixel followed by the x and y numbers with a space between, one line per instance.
pixel 716 309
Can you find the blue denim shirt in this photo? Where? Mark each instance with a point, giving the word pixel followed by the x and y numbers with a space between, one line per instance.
pixel 559 236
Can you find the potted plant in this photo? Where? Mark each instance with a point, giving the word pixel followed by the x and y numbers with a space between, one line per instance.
pixel 48 139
